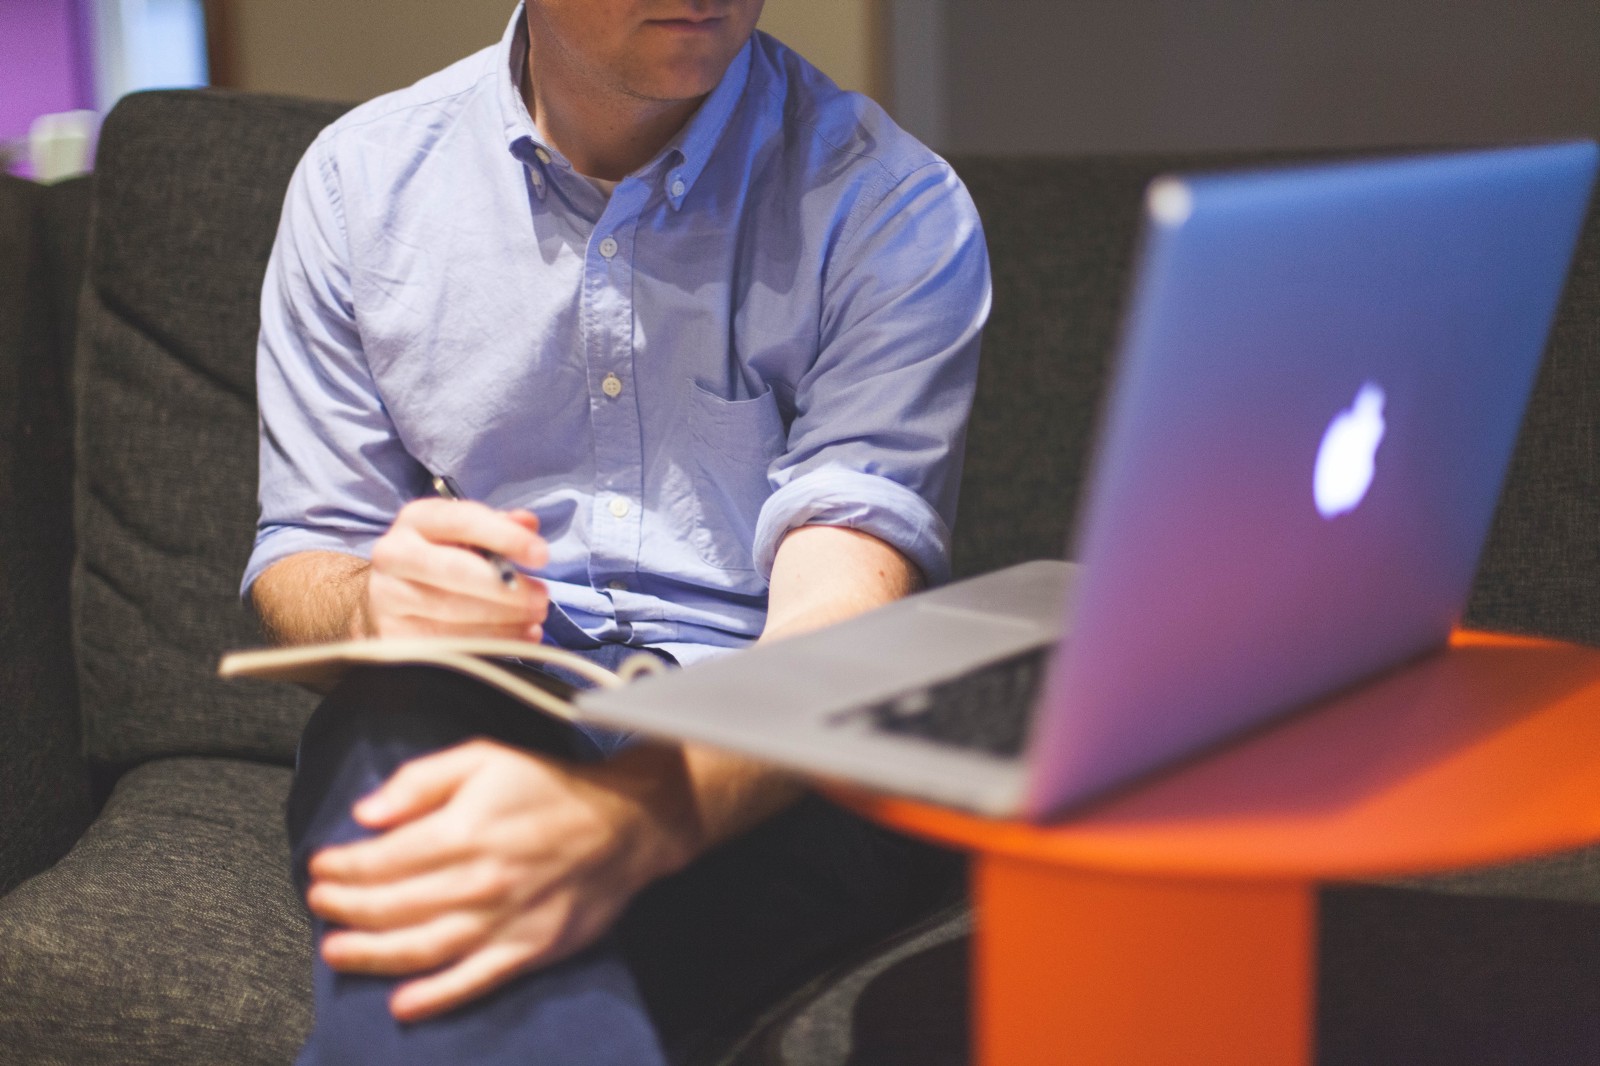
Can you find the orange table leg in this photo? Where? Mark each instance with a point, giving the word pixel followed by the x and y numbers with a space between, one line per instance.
pixel 1085 968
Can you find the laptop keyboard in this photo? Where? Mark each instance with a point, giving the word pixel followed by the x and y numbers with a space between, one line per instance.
pixel 987 710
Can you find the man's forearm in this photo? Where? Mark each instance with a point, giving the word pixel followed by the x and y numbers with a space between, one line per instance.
pixel 312 598
pixel 825 574
pixel 822 575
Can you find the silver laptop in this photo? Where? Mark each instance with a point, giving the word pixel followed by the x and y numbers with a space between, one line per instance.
pixel 1320 380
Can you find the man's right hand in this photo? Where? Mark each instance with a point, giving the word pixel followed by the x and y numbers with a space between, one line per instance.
pixel 426 579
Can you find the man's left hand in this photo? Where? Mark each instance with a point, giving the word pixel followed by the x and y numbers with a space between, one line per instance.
pixel 493 861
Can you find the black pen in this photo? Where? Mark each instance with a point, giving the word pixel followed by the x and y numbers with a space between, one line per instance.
pixel 445 486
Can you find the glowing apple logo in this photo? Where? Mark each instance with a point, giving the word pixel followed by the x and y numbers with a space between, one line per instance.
pixel 1349 449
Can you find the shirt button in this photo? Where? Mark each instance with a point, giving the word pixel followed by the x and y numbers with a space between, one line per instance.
pixel 678 186
pixel 617 586
pixel 538 180
pixel 544 156
pixel 618 507
pixel 611 386
pixel 608 247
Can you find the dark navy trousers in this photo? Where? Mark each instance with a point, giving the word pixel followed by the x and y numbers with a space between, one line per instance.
pixel 694 954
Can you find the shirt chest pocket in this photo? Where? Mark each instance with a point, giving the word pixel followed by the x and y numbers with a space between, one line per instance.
pixel 732 442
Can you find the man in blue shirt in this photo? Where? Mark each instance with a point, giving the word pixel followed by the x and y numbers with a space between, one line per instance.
pixel 699 331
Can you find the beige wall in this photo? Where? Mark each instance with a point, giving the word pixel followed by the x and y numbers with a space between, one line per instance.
pixel 839 36
pixel 356 49
pixel 353 49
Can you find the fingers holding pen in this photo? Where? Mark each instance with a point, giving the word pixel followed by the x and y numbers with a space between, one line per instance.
pixel 467 523
pixel 429 575
pixel 403 608
pixel 450 569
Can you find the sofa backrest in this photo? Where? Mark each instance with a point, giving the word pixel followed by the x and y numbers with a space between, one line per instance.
pixel 44 784
pixel 1061 238
pixel 188 191
pixel 1541 570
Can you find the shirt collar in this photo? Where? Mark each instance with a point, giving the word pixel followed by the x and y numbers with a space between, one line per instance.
pixel 688 152
pixel 511 62
pixel 693 145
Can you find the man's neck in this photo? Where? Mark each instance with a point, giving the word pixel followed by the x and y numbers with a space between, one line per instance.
pixel 604 132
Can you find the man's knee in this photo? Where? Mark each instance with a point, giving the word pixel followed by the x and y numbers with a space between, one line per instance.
pixel 378 718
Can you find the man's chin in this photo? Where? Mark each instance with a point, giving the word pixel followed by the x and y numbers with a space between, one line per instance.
pixel 674 90
pixel 682 73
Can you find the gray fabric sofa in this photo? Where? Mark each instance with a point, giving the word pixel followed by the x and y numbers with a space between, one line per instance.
pixel 145 910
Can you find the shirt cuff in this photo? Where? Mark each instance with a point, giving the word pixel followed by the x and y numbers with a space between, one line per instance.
pixel 280 542
pixel 853 500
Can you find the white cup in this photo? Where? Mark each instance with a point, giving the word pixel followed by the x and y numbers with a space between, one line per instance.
pixel 61 145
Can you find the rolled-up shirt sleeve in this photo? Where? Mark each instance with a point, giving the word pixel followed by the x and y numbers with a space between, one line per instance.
pixel 333 472
pixel 880 418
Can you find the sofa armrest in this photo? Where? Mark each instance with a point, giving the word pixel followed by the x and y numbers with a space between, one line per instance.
pixel 44 785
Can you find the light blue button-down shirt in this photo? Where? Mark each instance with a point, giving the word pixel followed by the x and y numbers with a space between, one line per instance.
pixel 773 323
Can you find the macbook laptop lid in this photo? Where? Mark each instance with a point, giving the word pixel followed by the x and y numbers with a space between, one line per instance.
pixel 1321 377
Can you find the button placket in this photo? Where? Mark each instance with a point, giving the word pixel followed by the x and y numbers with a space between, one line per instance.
pixel 618 512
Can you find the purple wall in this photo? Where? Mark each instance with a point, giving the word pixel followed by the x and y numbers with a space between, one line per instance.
pixel 45 63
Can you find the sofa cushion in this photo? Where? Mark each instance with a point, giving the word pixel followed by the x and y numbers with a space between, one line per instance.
pixel 170 933
pixel 44 785
pixel 188 193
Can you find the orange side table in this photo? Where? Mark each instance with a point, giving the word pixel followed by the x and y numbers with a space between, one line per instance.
pixel 1176 921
